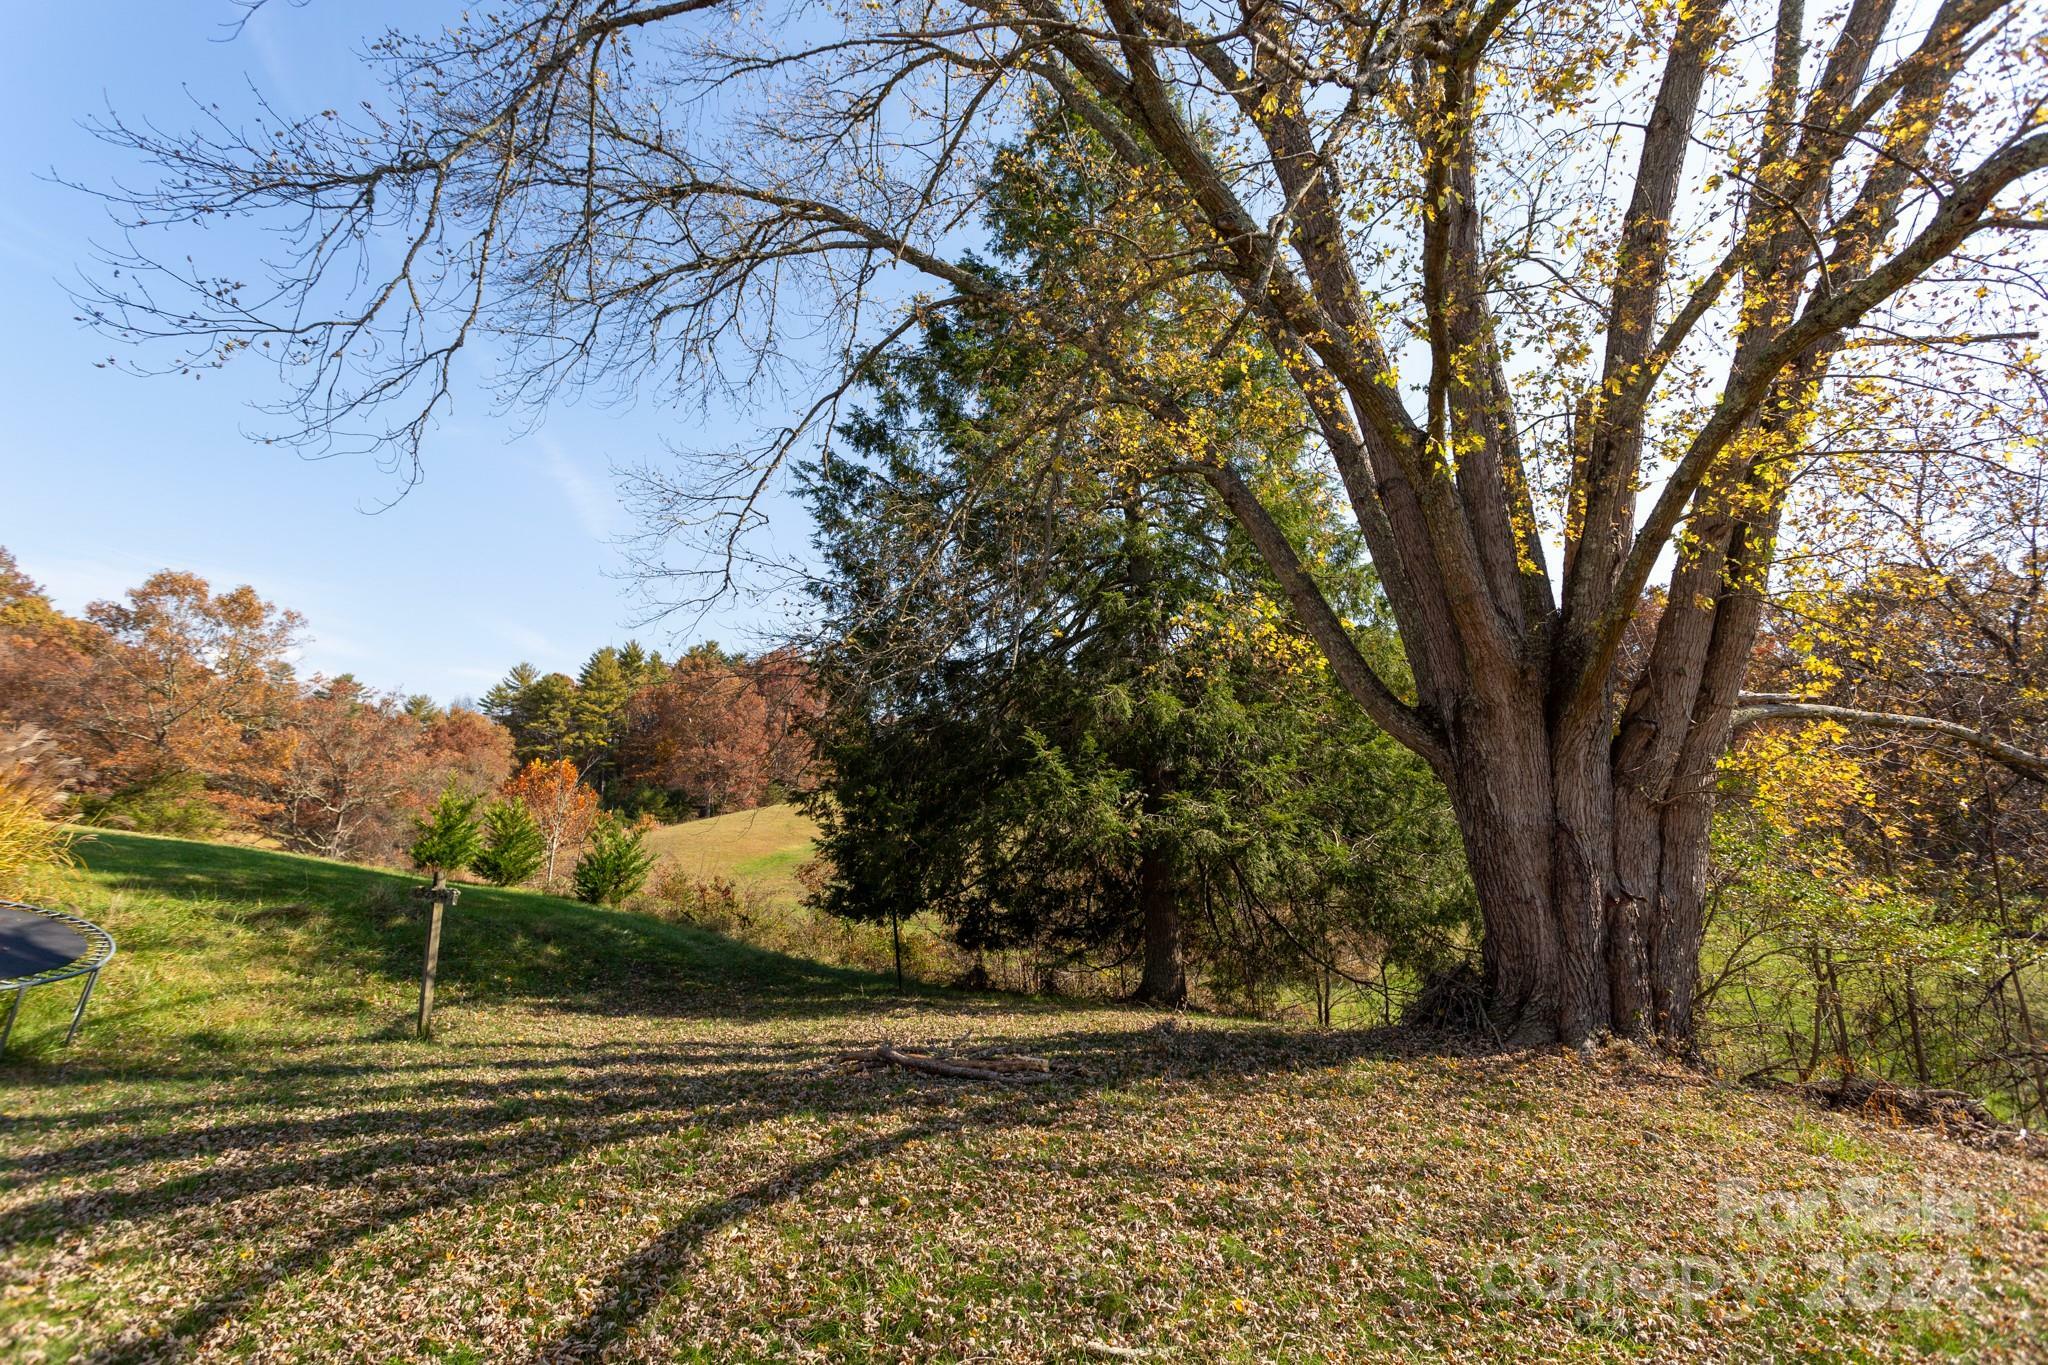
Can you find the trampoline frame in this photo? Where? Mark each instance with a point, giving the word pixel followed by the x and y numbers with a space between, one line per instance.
pixel 99 952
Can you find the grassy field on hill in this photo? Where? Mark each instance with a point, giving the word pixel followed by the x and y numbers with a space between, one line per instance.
pixel 627 1141
pixel 758 849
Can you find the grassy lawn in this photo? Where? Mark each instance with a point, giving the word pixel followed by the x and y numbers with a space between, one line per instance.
pixel 621 1144
pixel 760 849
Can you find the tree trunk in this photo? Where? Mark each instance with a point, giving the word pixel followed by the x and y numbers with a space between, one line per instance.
pixel 1569 952
pixel 1165 980
pixel 1587 836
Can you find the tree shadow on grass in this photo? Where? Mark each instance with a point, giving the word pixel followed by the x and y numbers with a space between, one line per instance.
pixel 311 1149
pixel 320 1153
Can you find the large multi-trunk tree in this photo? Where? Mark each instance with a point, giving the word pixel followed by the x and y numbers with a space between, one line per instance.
pixel 1572 294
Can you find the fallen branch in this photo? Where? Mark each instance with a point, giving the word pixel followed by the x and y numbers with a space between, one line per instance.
pixel 999 1067
pixel 1951 1113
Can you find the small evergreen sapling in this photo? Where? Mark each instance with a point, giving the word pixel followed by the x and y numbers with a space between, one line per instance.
pixel 614 865
pixel 446 838
pixel 513 849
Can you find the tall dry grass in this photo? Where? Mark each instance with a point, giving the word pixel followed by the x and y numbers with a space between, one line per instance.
pixel 32 781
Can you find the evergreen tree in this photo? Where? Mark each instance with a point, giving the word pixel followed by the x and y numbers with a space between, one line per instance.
pixel 642 667
pixel 513 848
pixel 506 701
pixel 541 711
pixel 1070 729
pixel 603 689
pixel 614 864
pixel 547 729
pixel 446 838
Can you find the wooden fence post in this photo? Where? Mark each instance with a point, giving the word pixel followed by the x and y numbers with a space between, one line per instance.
pixel 438 895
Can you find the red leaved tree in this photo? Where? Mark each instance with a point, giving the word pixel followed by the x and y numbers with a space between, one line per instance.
pixel 464 747
pixel 704 733
pixel 172 681
pixel 353 759
pixel 792 702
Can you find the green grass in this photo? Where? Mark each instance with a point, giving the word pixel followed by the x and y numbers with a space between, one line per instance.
pixel 627 1140
pixel 250 948
pixel 759 849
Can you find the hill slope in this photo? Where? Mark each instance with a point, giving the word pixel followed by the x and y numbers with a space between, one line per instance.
pixel 760 849
pixel 624 1141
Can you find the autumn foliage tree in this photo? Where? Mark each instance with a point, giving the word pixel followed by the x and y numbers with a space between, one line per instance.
pixel 187 679
pixel 42 652
pixel 340 791
pixel 359 765
pixel 168 692
pixel 564 808
pixel 462 747
pixel 791 703
pixel 703 733
pixel 177 708
pixel 715 731
pixel 1568 295
pixel 1879 891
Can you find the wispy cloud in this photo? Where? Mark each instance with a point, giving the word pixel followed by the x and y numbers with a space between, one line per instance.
pixel 278 71
pixel 22 246
pixel 74 580
pixel 526 638
pixel 590 502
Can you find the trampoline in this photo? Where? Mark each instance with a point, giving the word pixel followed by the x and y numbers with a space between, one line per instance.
pixel 41 947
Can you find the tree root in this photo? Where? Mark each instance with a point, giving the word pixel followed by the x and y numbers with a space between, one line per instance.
pixel 1007 1066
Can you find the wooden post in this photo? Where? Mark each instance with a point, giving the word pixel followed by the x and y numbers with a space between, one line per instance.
pixel 896 940
pixel 438 895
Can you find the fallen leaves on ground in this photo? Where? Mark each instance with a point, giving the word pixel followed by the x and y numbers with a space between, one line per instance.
pixel 697 1182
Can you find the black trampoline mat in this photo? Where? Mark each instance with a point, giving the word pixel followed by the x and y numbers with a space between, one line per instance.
pixel 32 943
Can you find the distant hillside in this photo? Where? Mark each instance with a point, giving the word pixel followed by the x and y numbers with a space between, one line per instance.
pixel 759 849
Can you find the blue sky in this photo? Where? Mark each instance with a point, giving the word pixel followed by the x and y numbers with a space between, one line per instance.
pixel 504 553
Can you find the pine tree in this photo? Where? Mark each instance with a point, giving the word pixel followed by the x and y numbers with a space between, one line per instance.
pixel 642 668
pixel 506 701
pixel 614 865
pixel 603 689
pixel 513 848
pixel 1068 730
pixel 446 838
pixel 539 709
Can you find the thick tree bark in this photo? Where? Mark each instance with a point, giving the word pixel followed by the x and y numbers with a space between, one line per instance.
pixel 1569 952
pixel 1587 832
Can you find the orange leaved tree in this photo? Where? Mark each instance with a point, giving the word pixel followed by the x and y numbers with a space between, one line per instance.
pixel 561 805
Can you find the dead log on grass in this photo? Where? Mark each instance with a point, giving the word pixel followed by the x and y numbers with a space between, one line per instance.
pixel 994 1067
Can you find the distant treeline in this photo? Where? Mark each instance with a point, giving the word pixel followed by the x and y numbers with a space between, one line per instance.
pixel 712 731
pixel 176 709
